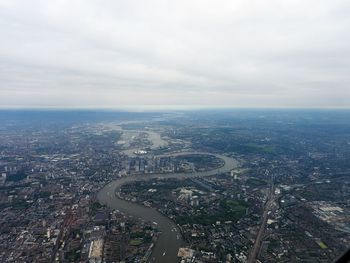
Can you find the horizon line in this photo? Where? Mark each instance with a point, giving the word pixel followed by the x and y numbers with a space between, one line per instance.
pixel 146 108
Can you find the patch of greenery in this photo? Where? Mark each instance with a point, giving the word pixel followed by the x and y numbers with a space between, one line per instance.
pixel 256 182
pixel 147 239
pixel 137 235
pixel 73 255
pixel 45 194
pixel 259 148
pixel 322 245
pixel 230 210
pixel 95 206
pixel 16 177
pixel 233 205
pixel 201 161
pixel 136 242
pixel 20 205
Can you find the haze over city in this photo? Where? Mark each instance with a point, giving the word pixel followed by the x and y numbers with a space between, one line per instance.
pixel 183 131
pixel 151 54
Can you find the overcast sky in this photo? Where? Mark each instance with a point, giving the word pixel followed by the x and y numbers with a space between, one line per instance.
pixel 235 53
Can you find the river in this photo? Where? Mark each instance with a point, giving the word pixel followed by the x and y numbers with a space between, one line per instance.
pixel 170 239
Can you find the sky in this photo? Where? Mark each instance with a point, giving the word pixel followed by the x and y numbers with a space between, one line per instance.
pixel 179 53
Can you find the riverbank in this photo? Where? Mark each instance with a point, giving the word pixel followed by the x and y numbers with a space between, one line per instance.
pixel 169 241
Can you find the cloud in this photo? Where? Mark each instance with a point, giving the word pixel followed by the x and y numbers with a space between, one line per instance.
pixel 240 53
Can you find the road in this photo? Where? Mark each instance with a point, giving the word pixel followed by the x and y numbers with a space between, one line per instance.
pixel 257 244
